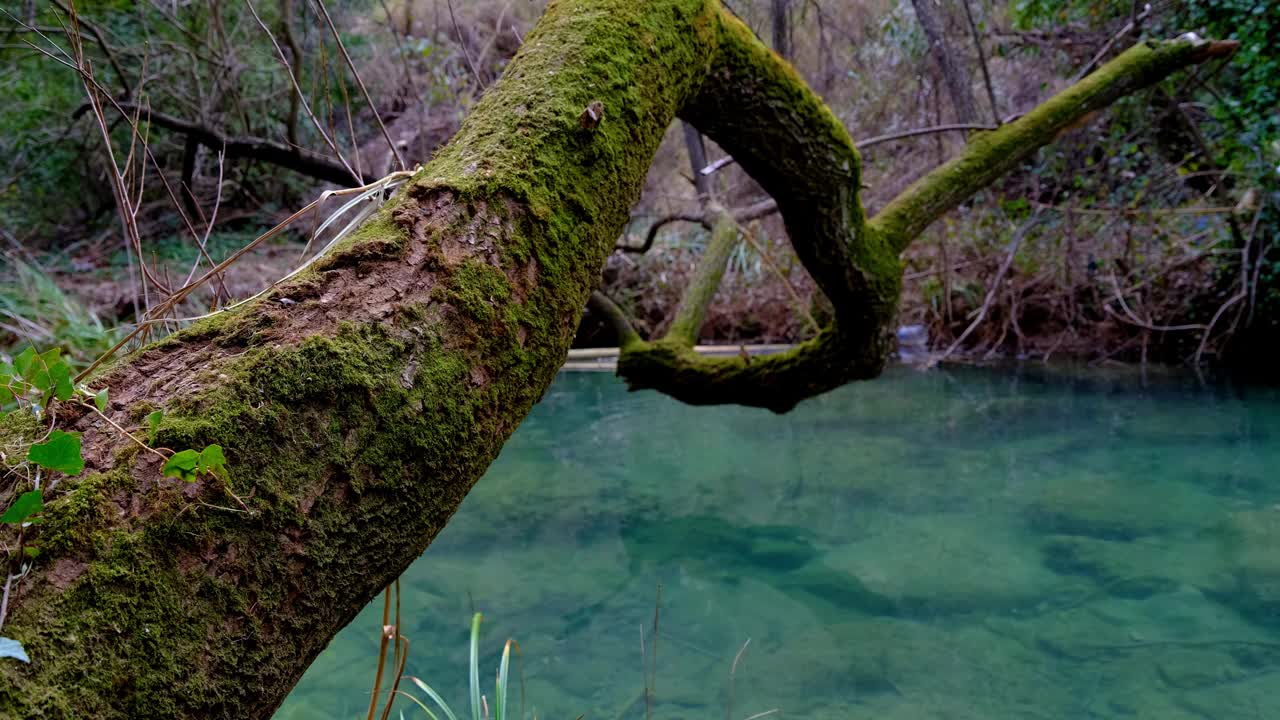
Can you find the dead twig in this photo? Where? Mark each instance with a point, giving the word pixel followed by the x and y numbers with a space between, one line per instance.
pixel 1010 253
pixel 462 43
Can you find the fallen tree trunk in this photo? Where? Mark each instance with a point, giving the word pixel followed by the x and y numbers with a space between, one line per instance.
pixel 359 402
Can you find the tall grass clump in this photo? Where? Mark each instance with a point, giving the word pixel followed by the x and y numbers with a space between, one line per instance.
pixel 35 311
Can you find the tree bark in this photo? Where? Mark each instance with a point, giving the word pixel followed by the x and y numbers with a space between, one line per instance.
pixel 782 28
pixel 956 79
pixel 359 402
pixel 357 416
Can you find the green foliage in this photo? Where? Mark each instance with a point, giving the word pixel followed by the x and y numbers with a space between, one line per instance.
pixel 1028 14
pixel 34 379
pixel 153 423
pixel 28 503
pixel 34 309
pixel 29 385
pixel 60 452
pixel 1251 104
pixel 189 465
pixel 1217 129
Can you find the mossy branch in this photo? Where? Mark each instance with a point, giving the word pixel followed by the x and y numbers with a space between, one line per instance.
pixel 692 309
pixel 781 133
pixel 990 155
pixel 359 415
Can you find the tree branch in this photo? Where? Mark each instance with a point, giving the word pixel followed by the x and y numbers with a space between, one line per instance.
pixel 990 155
pixel 300 160
pixel 784 136
pixel 617 319
pixel 706 280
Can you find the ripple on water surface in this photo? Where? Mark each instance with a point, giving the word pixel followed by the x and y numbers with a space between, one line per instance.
pixel 954 544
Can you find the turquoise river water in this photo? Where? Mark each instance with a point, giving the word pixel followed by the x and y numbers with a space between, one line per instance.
pixel 959 544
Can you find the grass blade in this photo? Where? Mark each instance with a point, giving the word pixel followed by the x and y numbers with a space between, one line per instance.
pixel 417 702
pixel 435 696
pixel 475 666
pixel 500 696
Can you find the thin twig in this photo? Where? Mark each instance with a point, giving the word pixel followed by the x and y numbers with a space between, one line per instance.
pixel 982 60
pixel 1010 253
pixel 733 670
pixel 749 238
pixel 462 43
pixel 296 88
pixel 873 141
pixel 360 83
pixel 177 296
pixel 1128 28
pixel 382 653
pixel 122 431
pixel 876 140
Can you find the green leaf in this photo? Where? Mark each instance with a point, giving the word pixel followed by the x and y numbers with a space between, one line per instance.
pixel 6 395
pixel 183 465
pixel 41 379
pixel 23 362
pixel 10 648
pixel 62 386
pixel 101 400
pixel 28 503
pixel 213 461
pixel 60 452
pixel 153 423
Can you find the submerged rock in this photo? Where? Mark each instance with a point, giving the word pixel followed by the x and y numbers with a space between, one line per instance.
pixel 1251 545
pixel 1119 509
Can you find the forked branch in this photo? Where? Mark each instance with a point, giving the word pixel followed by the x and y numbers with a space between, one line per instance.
pixel 782 134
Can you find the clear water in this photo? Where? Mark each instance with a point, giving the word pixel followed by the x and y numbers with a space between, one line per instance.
pixel 952 544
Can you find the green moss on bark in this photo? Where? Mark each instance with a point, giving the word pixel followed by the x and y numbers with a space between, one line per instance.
pixel 351 442
pixel 782 133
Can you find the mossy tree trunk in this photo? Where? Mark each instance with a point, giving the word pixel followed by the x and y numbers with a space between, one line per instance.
pixel 358 403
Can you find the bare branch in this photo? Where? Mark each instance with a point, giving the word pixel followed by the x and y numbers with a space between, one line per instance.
pixel 462 43
pixel 1010 254
pixel 395 152
pixel 296 88
pixel 300 160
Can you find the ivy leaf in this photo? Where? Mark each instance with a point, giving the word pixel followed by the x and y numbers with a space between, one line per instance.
pixel 60 452
pixel 22 363
pixel 28 503
pixel 213 461
pixel 153 423
pixel 101 400
pixel 60 372
pixel 40 379
pixel 10 648
pixel 184 465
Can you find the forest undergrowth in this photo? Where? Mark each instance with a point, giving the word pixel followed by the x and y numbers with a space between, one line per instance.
pixel 1142 234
